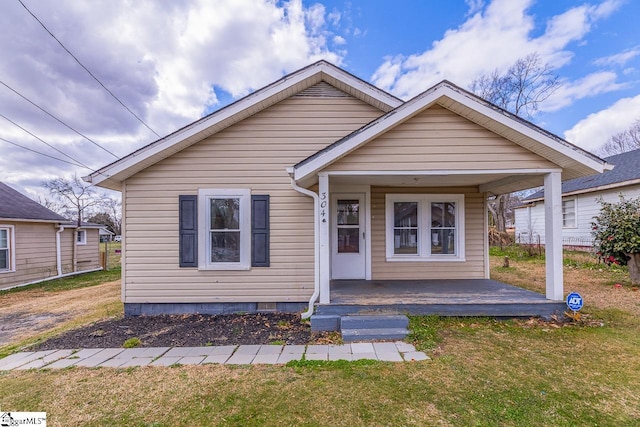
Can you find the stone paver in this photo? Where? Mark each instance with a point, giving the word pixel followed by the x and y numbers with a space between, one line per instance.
pixel 288 357
pixel 216 358
pixel 166 361
pixel 266 359
pixel 415 356
pixel 228 354
pixel 99 357
pixel 270 350
pixel 12 359
pixel 43 361
pixel 317 356
pixel 362 347
pixel 191 360
pixel 240 359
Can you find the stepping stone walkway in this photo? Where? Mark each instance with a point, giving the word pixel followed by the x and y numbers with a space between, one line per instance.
pixel 229 355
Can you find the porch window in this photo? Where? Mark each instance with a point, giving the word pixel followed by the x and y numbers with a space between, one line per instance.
pixel 424 227
pixel 226 220
pixel 6 253
pixel 569 213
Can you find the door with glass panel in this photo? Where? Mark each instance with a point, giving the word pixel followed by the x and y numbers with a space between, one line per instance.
pixel 348 236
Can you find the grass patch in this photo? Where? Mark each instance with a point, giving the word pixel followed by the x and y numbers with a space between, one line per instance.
pixel 72 282
pixel 132 343
pixel 483 372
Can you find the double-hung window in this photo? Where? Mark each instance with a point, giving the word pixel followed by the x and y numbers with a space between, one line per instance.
pixel 424 227
pixel 225 217
pixel 6 249
pixel 569 213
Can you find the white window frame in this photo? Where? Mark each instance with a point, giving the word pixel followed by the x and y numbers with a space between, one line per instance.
pixel 204 219
pixel 11 246
pixel 81 237
pixel 575 212
pixel 424 228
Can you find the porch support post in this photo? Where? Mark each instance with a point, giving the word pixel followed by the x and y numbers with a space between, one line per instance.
pixel 323 217
pixel 553 235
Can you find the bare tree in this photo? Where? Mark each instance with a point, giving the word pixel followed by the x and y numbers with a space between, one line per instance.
pixel 623 141
pixel 77 199
pixel 520 90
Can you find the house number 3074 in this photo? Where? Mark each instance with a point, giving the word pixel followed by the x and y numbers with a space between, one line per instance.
pixel 323 206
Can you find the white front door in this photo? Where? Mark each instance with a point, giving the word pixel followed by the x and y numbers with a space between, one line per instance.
pixel 348 249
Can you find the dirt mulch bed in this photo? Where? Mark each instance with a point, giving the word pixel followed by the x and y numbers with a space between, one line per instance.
pixel 193 330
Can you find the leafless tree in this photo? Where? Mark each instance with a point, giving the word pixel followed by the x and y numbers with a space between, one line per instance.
pixel 77 199
pixel 623 141
pixel 521 89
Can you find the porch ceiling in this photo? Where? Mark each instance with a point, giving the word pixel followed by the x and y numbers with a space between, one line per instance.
pixel 493 182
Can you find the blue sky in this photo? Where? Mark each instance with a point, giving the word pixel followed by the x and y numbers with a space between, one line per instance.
pixel 172 62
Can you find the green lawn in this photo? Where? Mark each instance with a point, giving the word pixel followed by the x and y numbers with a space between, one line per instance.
pixel 483 372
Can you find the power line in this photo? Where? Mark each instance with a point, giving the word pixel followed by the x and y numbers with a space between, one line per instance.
pixel 57 119
pixel 42 154
pixel 87 70
pixel 43 141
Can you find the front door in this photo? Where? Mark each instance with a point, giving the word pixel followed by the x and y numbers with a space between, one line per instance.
pixel 348 252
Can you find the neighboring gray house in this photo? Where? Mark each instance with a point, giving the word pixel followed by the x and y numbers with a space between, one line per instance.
pixel 580 202
pixel 38 244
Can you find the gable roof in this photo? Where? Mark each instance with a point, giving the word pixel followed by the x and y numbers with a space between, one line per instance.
pixel 112 175
pixel 575 161
pixel 625 172
pixel 16 206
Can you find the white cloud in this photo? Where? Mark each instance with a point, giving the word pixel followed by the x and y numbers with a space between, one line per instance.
pixel 163 59
pixel 619 59
pixel 339 40
pixel 590 85
pixel 494 37
pixel 594 131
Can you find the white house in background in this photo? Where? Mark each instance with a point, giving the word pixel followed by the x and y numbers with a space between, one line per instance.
pixel 580 202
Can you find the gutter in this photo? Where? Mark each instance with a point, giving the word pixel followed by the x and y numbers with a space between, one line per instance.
pixel 316 248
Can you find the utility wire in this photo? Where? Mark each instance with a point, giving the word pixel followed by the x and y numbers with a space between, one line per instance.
pixel 87 70
pixel 44 142
pixel 42 154
pixel 57 119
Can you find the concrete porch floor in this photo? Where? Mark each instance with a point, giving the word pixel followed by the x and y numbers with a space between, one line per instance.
pixel 472 297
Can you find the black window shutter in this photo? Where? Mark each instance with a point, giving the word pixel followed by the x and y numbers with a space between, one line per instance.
pixel 260 231
pixel 188 231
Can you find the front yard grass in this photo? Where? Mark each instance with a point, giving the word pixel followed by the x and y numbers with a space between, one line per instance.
pixel 483 372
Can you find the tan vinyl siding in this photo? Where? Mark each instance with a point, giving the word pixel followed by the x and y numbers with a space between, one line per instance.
pixel 35 253
pixel 251 154
pixel 438 139
pixel 471 268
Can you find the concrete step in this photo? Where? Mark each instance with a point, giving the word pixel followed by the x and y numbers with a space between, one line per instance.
pixel 325 322
pixel 374 322
pixel 380 334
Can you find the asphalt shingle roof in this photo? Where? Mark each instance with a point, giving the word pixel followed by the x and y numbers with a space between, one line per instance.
pixel 14 205
pixel 627 168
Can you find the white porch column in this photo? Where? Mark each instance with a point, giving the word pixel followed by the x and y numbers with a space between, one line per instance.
pixel 323 217
pixel 553 235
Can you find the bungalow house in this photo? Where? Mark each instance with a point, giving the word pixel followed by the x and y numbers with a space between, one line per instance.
pixel 37 244
pixel 580 204
pixel 321 181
